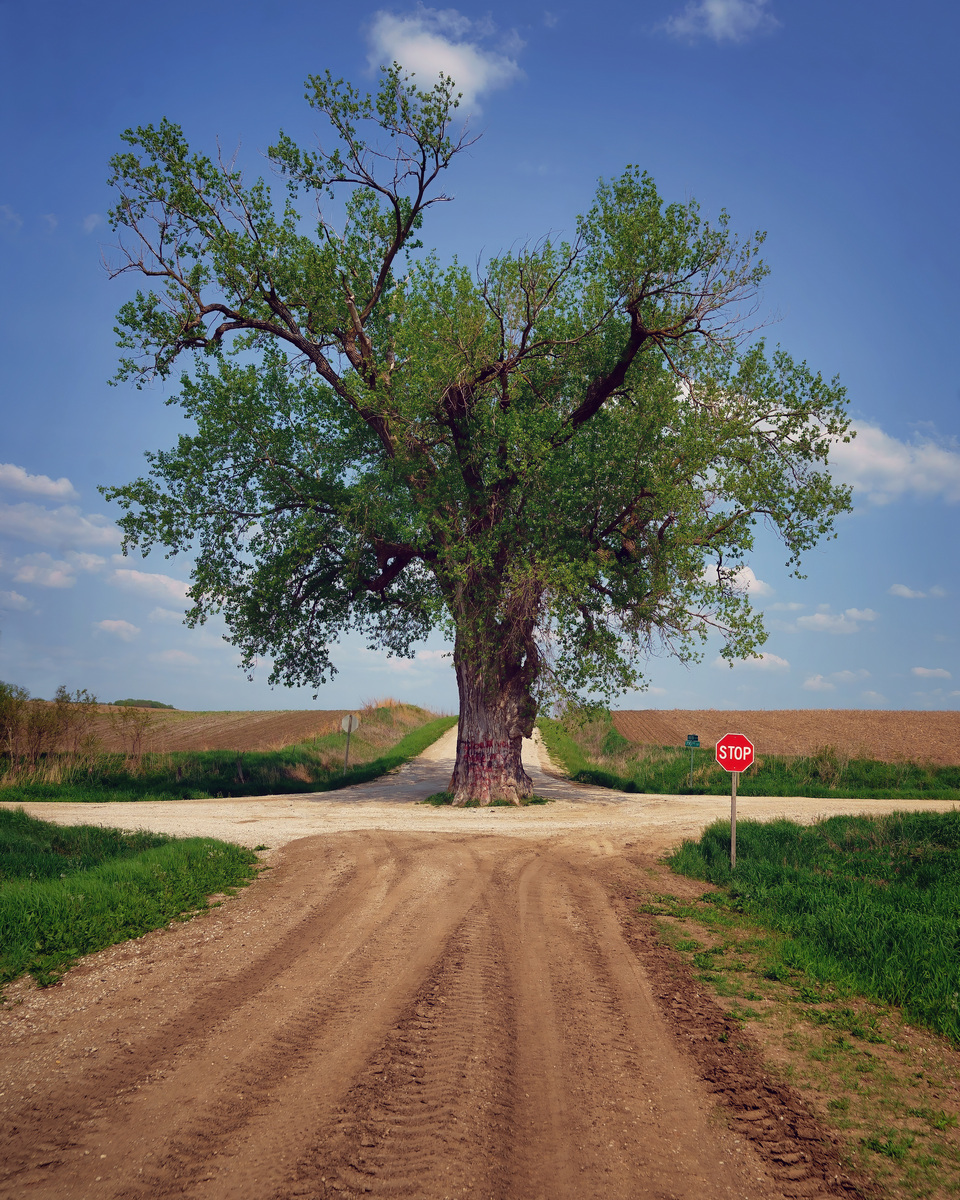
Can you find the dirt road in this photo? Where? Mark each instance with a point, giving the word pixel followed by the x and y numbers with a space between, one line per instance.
pixel 451 1007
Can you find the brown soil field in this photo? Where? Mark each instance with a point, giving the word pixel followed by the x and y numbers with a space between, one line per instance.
pixel 929 737
pixel 244 731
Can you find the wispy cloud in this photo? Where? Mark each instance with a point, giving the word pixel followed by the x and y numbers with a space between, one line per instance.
pixel 906 593
pixel 174 658
pixel 121 629
pixel 722 20
pixel 432 41
pixel 14 602
pixel 147 583
pixel 63 526
pixel 850 676
pixel 166 616
pixel 19 480
pixel 43 570
pixel 91 222
pixel 763 662
pixel 883 469
pixel 930 673
pixel 828 683
pixel 10 218
pixel 851 620
pixel 743 580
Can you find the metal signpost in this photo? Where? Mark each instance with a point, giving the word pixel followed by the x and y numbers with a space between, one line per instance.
pixel 734 754
pixel 349 725
pixel 692 743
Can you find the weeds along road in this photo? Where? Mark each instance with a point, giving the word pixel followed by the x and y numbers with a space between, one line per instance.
pixel 430 1014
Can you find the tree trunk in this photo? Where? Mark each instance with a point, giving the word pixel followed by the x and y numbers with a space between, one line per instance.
pixel 496 713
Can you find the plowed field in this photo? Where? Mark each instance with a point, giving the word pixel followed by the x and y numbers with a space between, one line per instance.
pixel 932 737
pixel 242 731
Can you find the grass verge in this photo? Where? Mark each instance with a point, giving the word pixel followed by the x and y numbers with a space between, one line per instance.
pixel 871 903
pixel 765 943
pixel 595 752
pixel 66 891
pixel 388 739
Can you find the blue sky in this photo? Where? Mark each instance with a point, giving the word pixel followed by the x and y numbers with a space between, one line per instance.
pixel 833 127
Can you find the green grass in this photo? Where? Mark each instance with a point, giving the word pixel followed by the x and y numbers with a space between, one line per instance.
pixel 66 891
pixel 439 799
pixel 871 904
pixel 312 766
pixel 596 753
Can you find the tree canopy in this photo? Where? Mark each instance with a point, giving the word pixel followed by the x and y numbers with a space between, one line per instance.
pixel 560 457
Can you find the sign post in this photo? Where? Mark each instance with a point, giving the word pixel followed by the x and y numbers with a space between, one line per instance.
pixel 349 724
pixel 734 754
pixel 692 743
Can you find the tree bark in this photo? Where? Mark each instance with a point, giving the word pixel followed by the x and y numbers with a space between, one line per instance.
pixel 496 713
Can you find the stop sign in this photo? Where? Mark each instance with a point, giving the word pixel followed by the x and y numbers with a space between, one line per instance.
pixel 734 752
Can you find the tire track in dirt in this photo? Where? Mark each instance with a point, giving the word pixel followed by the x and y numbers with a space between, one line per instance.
pixel 434 1095
pixel 415 1017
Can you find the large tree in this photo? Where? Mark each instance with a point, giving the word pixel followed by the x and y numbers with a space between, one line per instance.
pixel 559 458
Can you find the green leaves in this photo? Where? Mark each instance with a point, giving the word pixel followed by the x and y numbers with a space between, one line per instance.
pixel 560 457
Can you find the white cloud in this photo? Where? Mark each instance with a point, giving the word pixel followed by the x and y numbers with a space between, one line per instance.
pixel 64 526
pixel 828 683
pixel 425 656
pixel 882 469
pixel 743 580
pixel 849 621
pixel 51 221
pixel 930 673
pixel 722 20
pixel 850 676
pixel 431 42
pixel 873 697
pixel 146 583
pixel 10 218
pixel 14 602
pixel 901 589
pixel 763 662
pixel 789 606
pixel 91 222
pixel 121 629
pixel 174 658
pixel 166 616
pixel 84 561
pixel 19 480
pixel 44 570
